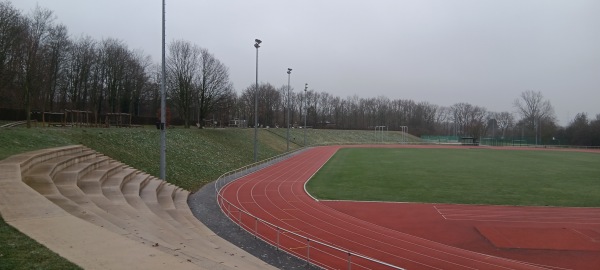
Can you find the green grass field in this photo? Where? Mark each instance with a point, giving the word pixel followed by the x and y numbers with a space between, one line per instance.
pixel 461 175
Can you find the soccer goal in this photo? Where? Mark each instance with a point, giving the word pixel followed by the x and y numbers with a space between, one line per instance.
pixel 381 133
pixel 403 134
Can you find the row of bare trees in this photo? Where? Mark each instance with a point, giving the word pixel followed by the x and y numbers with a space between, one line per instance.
pixel 42 68
pixel 197 80
pixel 323 110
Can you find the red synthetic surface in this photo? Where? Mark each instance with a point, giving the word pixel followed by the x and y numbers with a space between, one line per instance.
pixel 539 238
pixel 411 236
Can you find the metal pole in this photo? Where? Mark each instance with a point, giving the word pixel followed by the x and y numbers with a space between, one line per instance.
pixel 307 251
pixel 349 261
pixel 277 238
pixel 256 45
pixel 535 130
pixel 306 111
pixel 289 72
pixel 539 130
pixel 255 227
pixel 163 106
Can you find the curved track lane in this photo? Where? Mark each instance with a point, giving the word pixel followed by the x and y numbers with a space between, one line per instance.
pixel 276 194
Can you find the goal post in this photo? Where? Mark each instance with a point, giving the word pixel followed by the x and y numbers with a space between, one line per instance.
pixel 403 134
pixel 380 133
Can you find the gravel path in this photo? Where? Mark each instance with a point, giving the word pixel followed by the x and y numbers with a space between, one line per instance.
pixel 203 204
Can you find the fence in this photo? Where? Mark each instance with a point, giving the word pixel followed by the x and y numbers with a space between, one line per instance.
pixel 440 139
pixel 510 141
pixel 313 251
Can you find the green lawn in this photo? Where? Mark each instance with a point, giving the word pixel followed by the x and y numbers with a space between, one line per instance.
pixel 461 175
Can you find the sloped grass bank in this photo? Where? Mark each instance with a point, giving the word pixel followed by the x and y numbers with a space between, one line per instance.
pixel 194 157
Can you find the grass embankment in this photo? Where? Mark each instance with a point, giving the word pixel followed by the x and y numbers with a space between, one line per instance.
pixel 194 158
pixel 465 176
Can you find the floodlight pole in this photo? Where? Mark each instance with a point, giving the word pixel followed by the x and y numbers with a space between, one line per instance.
pixel 289 72
pixel 163 121
pixel 256 45
pixel 305 110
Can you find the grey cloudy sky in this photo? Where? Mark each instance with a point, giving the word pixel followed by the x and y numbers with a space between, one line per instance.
pixel 441 51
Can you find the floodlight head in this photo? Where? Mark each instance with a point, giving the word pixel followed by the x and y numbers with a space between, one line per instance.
pixel 258 41
pixel 289 71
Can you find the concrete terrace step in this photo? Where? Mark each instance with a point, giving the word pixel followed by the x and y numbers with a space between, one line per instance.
pixel 132 199
pixel 95 200
pixel 180 200
pixel 51 166
pixel 118 212
pixel 149 194
pixel 71 174
pixel 112 187
pixel 165 198
pixel 26 160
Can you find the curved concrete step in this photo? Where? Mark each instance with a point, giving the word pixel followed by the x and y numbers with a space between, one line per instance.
pixel 131 195
pixel 38 178
pixel 148 194
pixel 51 166
pixel 181 204
pixel 26 160
pixel 122 215
pixel 115 199
pixel 95 208
pixel 131 192
pixel 71 174
pixel 165 199
pixel 111 187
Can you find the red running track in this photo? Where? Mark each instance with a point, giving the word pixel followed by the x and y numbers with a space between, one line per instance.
pixel 276 194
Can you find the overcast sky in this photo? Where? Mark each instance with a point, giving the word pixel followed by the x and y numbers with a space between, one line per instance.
pixel 477 51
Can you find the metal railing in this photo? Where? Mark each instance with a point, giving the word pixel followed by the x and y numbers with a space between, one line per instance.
pixel 313 251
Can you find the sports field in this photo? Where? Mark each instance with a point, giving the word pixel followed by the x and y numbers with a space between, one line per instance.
pixel 461 175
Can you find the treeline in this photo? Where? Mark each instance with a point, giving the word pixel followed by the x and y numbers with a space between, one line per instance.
pixel 44 69
pixel 581 131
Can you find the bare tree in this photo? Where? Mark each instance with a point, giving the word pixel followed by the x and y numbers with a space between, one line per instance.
pixel 470 120
pixel 535 111
pixel 284 104
pixel 326 110
pixel 268 102
pixel 55 59
pixel 183 69
pixel 215 88
pixel 79 71
pixel 505 121
pixel 138 80
pixel 12 37
pixel 37 33
pixel 114 58
pixel 532 106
